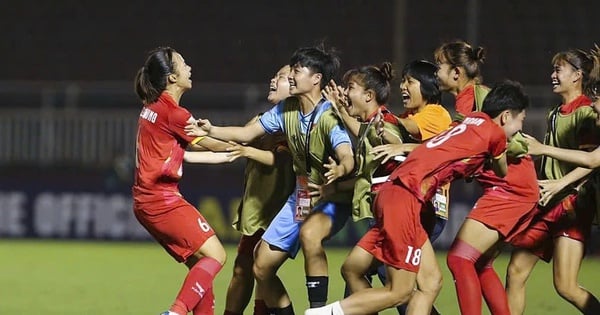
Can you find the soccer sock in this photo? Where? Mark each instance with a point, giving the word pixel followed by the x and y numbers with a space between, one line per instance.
pixel 461 262
pixel 198 281
pixel 493 290
pixel 317 290
pixel 206 305
pixel 288 310
pixel 260 308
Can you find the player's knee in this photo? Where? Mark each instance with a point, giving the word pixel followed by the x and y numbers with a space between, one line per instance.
pixel 398 296
pixel 516 274
pixel 243 267
pixel 432 284
pixel 455 263
pixel 310 237
pixel 348 272
pixel 565 287
pixel 261 271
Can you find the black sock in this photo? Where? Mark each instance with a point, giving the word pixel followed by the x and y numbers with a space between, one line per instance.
pixel 317 290
pixel 288 310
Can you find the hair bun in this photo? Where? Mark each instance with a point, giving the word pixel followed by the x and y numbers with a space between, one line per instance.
pixel 387 71
pixel 479 54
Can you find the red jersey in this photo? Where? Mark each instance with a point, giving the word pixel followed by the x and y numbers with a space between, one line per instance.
pixel 465 101
pixel 520 180
pixel 161 142
pixel 389 166
pixel 455 153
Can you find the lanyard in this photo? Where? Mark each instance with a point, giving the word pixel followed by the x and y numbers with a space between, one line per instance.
pixel 308 130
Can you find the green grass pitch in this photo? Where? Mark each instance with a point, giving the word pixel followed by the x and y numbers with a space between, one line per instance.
pixel 101 278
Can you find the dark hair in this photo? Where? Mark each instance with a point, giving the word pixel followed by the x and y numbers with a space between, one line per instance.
pixel 373 78
pixel 318 61
pixel 580 60
pixel 595 73
pixel 461 54
pixel 506 95
pixel 151 79
pixel 425 72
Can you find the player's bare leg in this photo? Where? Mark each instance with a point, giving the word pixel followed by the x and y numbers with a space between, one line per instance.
pixel 358 263
pixel 519 268
pixel 429 283
pixel 313 232
pixel 267 261
pixel 568 254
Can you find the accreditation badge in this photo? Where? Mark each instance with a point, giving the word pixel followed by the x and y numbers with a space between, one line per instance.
pixel 441 201
pixel 303 200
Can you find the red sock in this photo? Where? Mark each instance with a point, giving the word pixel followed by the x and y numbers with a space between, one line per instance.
pixel 260 308
pixel 493 290
pixel 461 261
pixel 198 282
pixel 206 305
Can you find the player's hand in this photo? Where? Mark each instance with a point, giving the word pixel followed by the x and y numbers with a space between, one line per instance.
pixel 337 96
pixel 534 146
pixel 334 172
pixel 388 151
pixel 199 128
pixel 548 189
pixel 236 151
pixel 321 191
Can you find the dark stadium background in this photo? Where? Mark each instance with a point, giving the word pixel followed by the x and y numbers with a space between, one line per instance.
pixel 68 112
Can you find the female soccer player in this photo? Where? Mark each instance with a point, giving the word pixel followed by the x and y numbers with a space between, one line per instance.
pixel 507 205
pixel 157 203
pixel 315 137
pixel 398 238
pixel 563 227
pixel 269 180
pixel 423 118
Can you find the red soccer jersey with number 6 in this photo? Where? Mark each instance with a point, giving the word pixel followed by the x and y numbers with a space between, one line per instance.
pixel 160 144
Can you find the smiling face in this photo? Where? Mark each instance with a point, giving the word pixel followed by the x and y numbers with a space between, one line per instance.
pixel 446 76
pixel 565 78
pixel 279 89
pixel 411 93
pixel 302 80
pixel 183 73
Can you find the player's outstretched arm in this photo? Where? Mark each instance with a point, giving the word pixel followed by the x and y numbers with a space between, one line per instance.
pixel 206 157
pixel 244 134
pixel 577 157
pixel 262 156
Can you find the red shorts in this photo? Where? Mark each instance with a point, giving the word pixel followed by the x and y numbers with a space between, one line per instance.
pixel 506 216
pixel 397 236
pixel 556 222
pixel 248 243
pixel 177 226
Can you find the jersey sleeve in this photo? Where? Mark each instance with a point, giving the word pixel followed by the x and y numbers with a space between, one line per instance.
pixel 497 142
pixel 272 120
pixel 432 120
pixel 178 119
pixel 338 135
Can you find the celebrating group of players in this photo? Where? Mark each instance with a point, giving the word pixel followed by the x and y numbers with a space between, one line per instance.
pixel 327 152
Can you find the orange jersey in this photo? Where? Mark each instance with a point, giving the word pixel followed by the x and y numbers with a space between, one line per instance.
pixel 161 142
pixel 432 120
pixel 455 153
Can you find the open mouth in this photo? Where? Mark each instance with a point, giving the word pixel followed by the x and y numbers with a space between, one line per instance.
pixel 555 83
pixel 405 97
